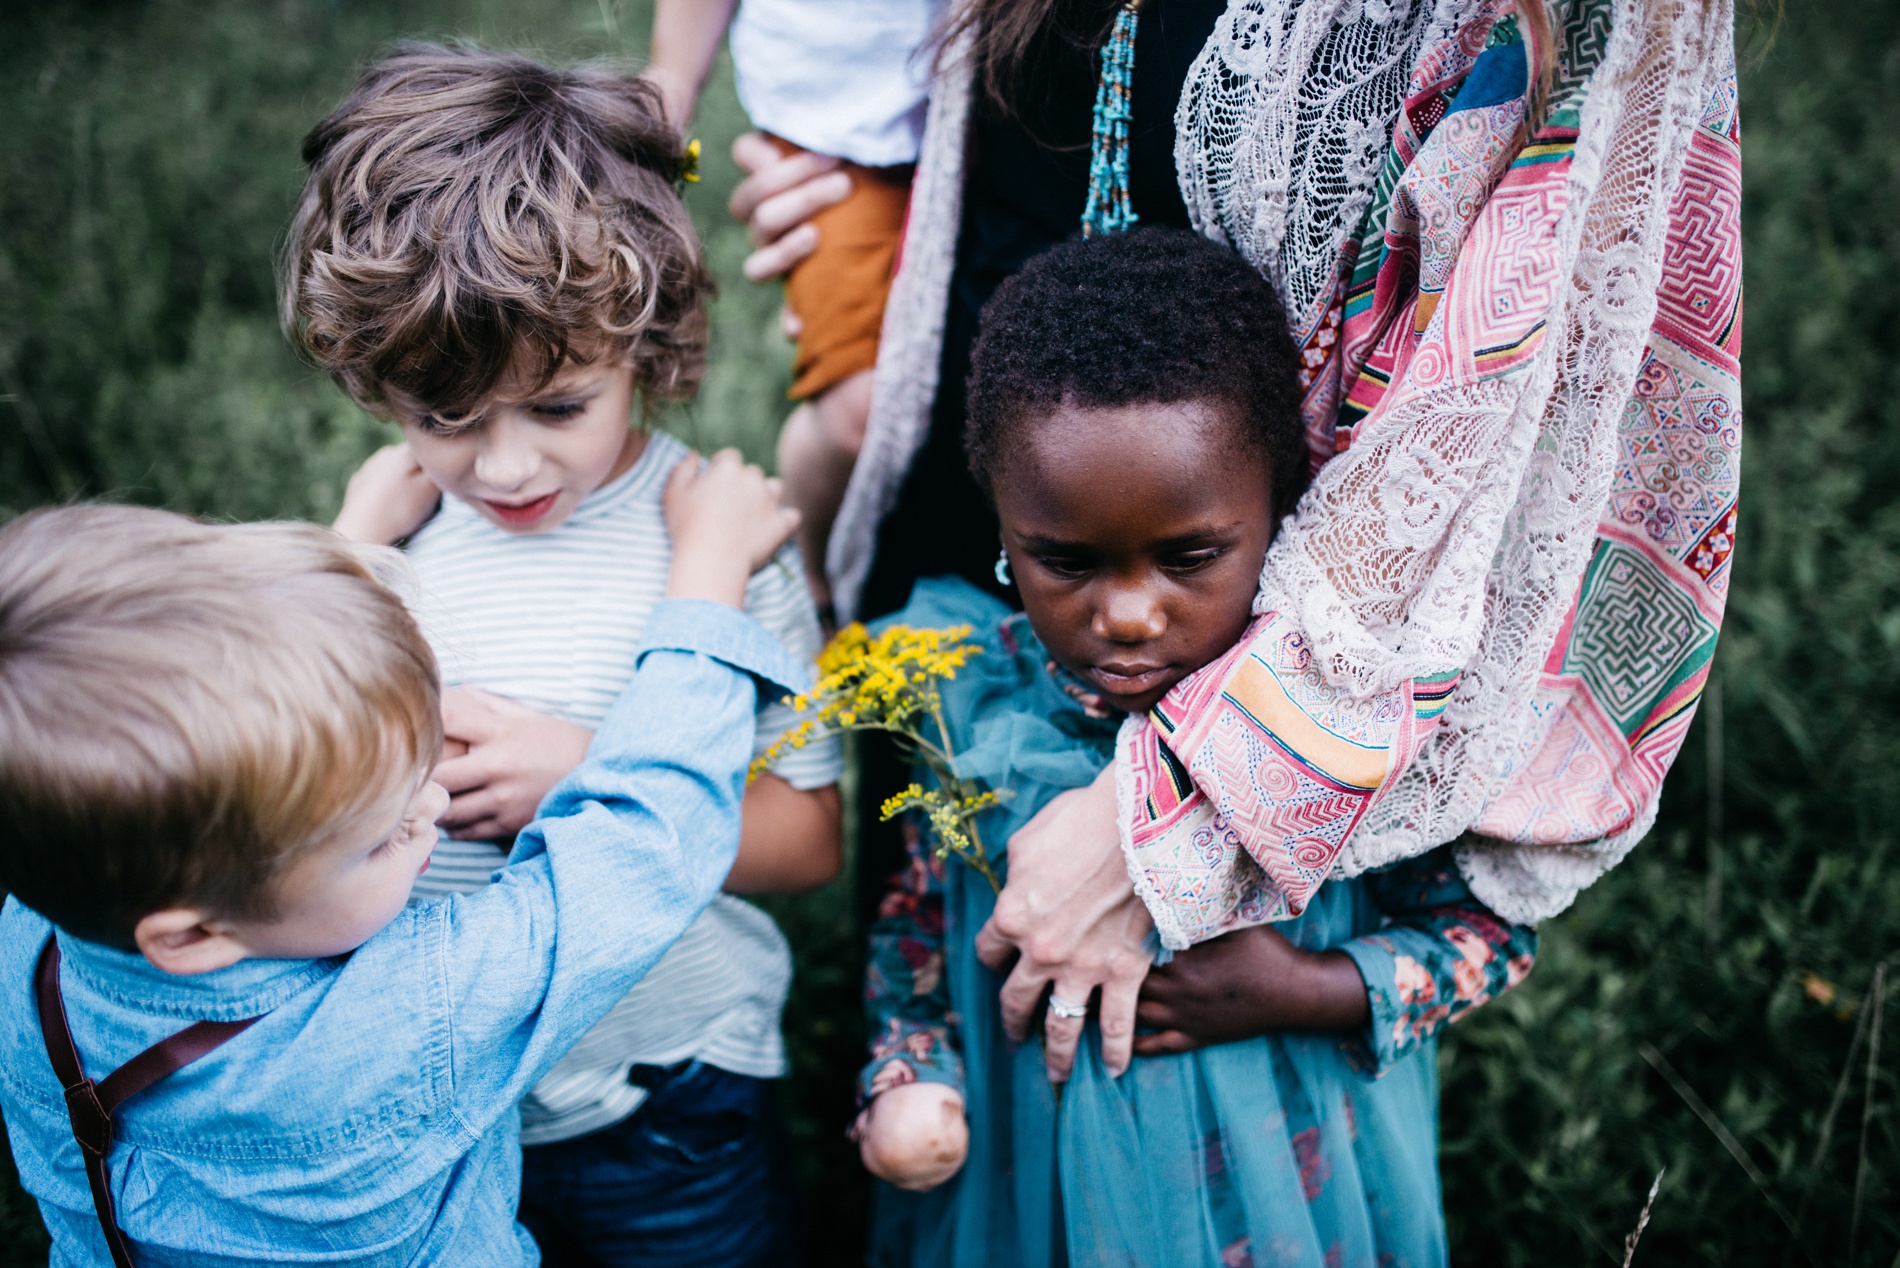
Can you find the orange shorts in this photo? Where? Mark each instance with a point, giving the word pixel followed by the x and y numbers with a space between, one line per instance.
pixel 838 291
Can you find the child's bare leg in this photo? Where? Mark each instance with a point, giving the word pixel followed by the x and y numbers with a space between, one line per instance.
pixel 816 452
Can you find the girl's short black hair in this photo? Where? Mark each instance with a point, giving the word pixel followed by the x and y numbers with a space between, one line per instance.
pixel 1153 316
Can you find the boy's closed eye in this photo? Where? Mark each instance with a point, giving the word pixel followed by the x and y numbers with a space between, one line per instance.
pixel 556 411
pixel 394 841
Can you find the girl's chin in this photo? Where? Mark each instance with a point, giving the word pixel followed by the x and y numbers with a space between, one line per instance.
pixel 1135 704
pixel 1131 693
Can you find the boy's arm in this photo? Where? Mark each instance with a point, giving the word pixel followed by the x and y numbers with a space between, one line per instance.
pixel 790 839
pixel 686 35
pixel 630 847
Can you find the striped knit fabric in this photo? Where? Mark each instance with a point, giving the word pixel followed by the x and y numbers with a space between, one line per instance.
pixel 553 621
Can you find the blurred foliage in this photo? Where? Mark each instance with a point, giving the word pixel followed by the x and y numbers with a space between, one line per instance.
pixel 1741 940
pixel 1712 987
pixel 148 168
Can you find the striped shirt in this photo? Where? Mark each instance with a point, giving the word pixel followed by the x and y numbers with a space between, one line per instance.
pixel 553 620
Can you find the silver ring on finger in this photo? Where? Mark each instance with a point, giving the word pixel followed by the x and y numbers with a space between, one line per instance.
pixel 1066 1009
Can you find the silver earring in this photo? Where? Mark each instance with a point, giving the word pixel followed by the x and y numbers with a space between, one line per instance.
pixel 1002 568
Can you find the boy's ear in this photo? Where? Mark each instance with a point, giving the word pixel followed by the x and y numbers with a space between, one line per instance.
pixel 184 940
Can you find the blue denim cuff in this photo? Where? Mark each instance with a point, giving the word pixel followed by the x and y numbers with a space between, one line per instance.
pixel 725 634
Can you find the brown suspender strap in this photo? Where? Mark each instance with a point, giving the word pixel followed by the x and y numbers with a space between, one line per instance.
pixel 90 1104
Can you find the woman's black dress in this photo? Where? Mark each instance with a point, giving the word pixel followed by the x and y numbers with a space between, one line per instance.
pixel 1026 182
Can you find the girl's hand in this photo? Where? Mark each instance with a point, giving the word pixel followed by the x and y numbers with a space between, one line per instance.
pixel 1243 984
pixel 500 759
pixel 777 198
pixel 726 521
pixel 387 499
pixel 913 1135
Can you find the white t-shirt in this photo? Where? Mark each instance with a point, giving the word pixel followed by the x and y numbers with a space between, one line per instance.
pixel 553 620
pixel 841 77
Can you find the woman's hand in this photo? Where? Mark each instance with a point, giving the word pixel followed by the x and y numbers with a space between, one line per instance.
pixel 387 498
pixel 1243 984
pixel 1070 915
pixel 913 1135
pixel 777 198
pixel 500 759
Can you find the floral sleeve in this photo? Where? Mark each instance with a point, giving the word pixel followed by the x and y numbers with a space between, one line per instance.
pixel 906 999
pixel 1440 955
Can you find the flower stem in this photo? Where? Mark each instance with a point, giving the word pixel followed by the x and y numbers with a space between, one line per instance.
pixel 979 856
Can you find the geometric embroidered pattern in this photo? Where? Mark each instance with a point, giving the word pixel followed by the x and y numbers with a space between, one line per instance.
pixel 1677 472
pixel 1709 558
pixel 1634 634
pixel 1702 268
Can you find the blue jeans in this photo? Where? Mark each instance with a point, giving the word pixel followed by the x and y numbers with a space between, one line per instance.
pixel 693 1179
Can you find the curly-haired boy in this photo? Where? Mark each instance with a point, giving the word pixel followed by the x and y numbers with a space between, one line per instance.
pixel 494 254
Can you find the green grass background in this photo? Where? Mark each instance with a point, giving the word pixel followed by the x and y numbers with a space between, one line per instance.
pixel 1709 1008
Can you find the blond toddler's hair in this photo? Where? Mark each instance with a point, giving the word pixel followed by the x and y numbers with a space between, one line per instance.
pixel 186 707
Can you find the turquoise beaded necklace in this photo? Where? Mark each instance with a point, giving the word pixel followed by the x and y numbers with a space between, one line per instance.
pixel 1109 209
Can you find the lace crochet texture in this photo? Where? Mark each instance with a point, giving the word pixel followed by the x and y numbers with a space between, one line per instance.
pixel 1283 127
pixel 1453 534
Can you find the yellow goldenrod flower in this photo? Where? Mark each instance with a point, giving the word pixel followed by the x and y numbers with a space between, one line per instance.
pixel 889 682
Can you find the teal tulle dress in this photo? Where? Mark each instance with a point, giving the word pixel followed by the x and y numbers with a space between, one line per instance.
pixel 1290 1149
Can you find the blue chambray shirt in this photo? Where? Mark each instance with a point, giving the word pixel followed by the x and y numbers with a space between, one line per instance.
pixel 369 1118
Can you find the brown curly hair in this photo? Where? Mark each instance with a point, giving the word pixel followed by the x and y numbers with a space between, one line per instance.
pixel 473 218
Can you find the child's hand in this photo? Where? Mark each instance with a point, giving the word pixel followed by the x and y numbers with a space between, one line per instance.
pixel 387 499
pixel 726 521
pixel 1248 983
pixel 913 1135
pixel 509 757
